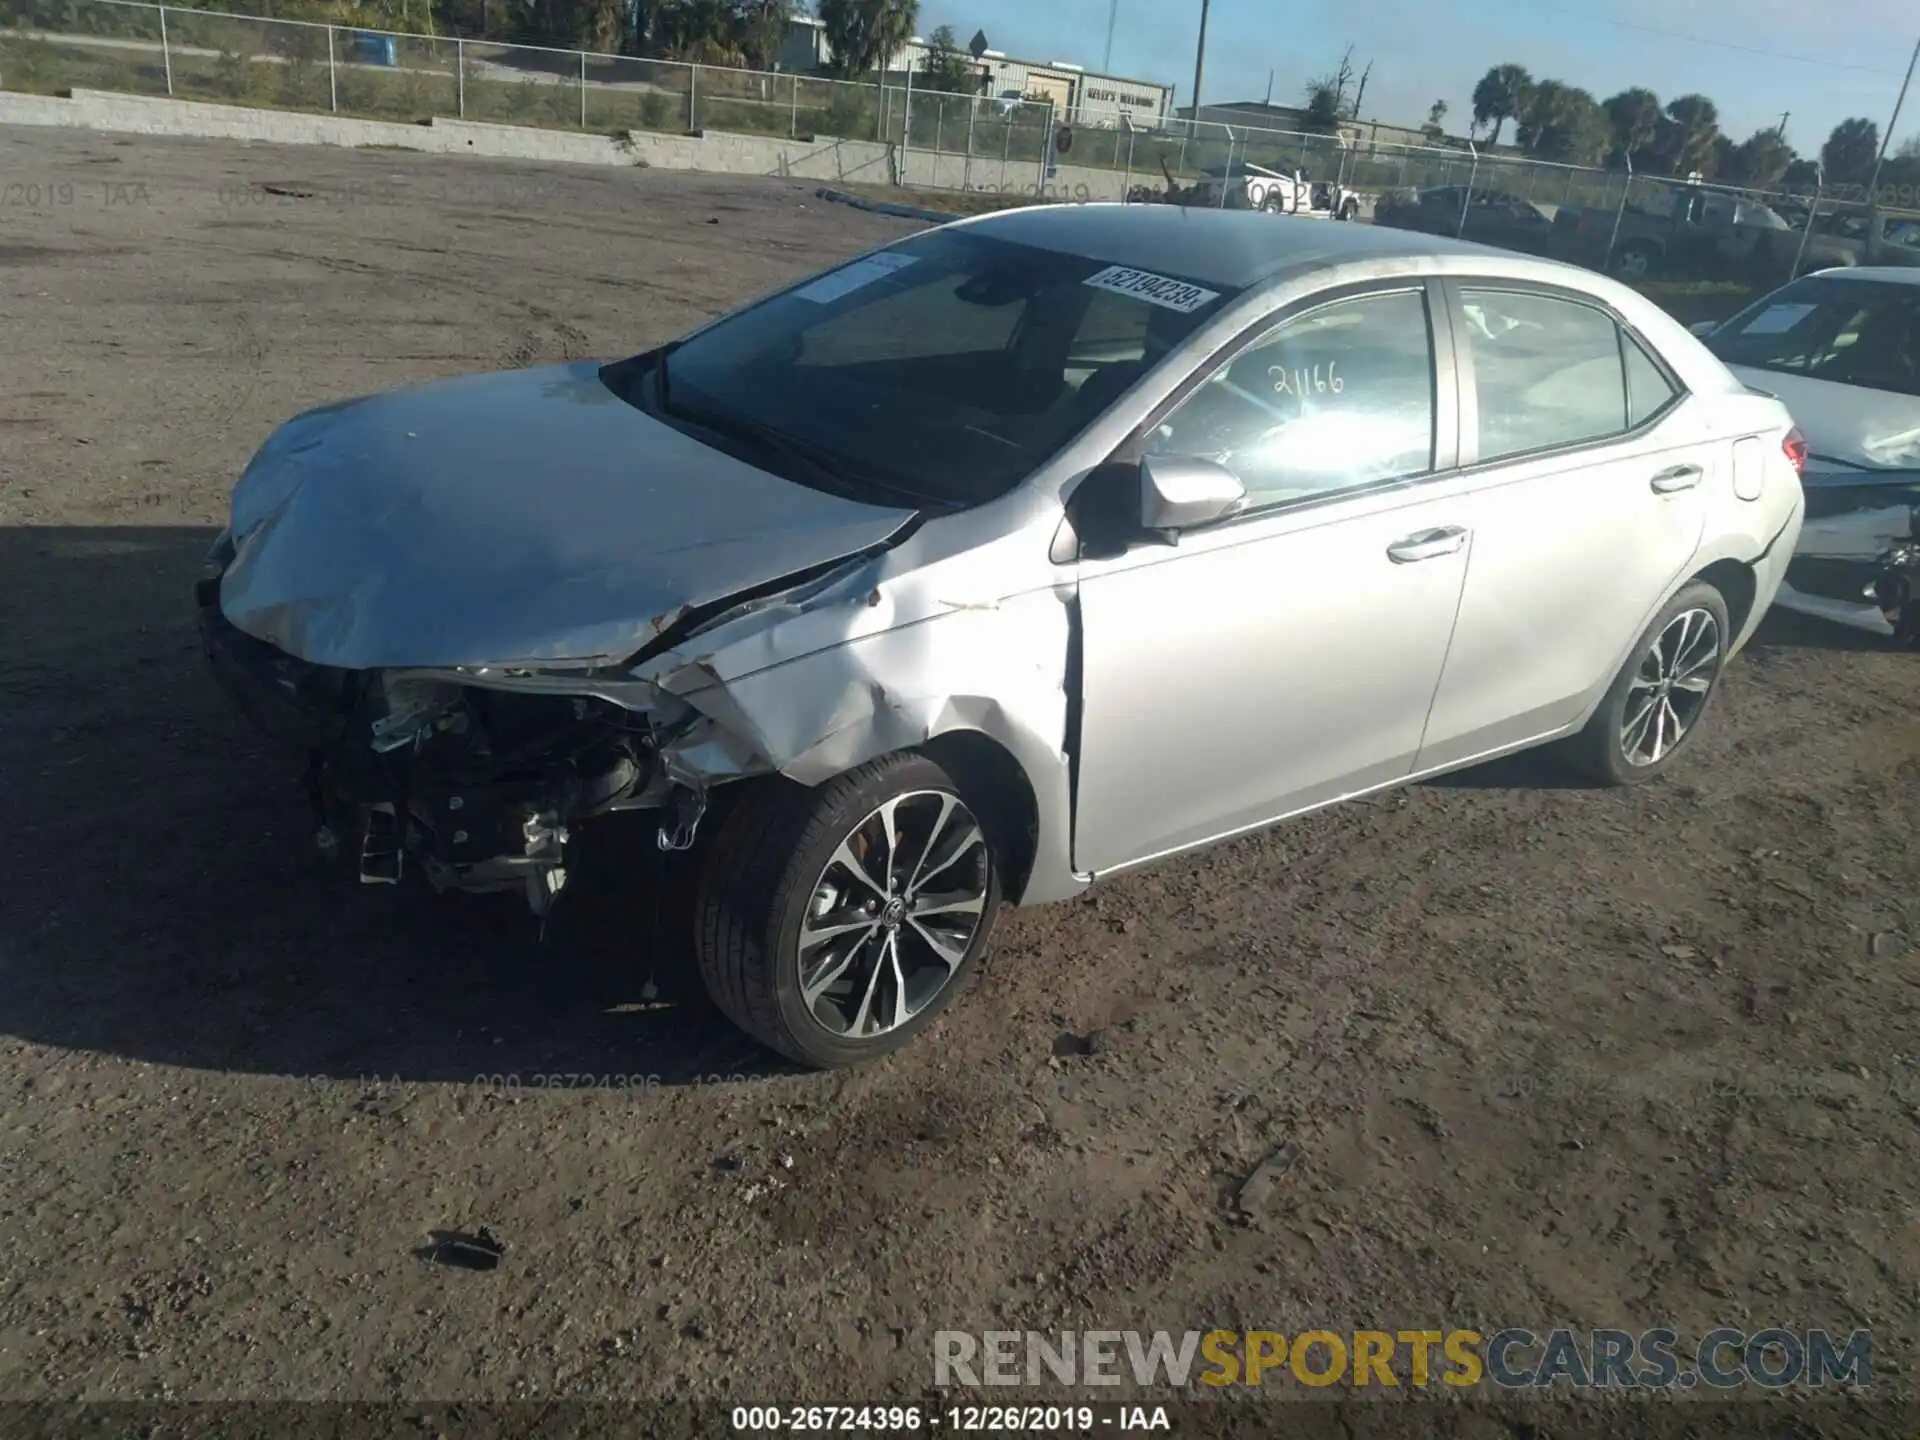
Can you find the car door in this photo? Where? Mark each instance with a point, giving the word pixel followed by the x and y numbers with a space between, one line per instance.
pixel 1287 656
pixel 1589 496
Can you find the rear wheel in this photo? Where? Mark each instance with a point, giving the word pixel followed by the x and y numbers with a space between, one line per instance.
pixel 1635 261
pixel 1272 204
pixel 836 923
pixel 1350 210
pixel 1656 704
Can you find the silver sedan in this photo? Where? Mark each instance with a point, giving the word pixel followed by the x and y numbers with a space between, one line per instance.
pixel 993 564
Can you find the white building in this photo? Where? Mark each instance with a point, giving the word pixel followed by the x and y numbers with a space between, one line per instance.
pixel 1081 96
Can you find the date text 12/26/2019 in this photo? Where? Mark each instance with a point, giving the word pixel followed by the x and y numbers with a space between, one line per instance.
pixel 955 1419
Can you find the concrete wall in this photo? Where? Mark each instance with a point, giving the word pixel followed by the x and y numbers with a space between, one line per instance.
pixel 928 170
pixel 825 159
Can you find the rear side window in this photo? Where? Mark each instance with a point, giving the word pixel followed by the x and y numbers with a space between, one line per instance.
pixel 1649 391
pixel 1551 373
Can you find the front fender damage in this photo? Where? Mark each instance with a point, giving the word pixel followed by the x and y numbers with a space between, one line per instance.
pixel 478 773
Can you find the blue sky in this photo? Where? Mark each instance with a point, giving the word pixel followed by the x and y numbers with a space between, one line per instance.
pixel 1424 51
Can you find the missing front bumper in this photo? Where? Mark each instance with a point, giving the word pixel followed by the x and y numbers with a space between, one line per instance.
pixel 473 791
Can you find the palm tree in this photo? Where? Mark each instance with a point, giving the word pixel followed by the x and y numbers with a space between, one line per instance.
pixel 1694 124
pixel 1761 159
pixel 1636 117
pixel 1850 152
pixel 863 35
pixel 1562 122
pixel 1501 96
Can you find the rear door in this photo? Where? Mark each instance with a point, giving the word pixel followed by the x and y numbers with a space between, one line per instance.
pixel 1592 488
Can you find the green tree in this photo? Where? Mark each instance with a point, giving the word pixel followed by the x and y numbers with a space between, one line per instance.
pixel 1435 128
pixel 1323 104
pixel 1693 124
pixel 863 35
pixel 1327 102
pixel 1500 96
pixel 1759 160
pixel 947 66
pixel 1800 176
pixel 713 32
pixel 1850 152
pixel 1635 118
pixel 1563 122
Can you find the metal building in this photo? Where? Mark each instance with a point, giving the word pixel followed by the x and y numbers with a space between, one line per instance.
pixel 1079 95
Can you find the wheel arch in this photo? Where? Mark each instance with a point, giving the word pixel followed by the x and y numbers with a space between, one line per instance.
pixel 1738 585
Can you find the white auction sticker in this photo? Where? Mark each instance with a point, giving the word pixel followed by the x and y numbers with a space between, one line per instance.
pixel 1154 289
pixel 857 276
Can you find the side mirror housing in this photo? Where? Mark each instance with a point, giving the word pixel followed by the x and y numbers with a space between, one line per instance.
pixel 1703 327
pixel 1178 492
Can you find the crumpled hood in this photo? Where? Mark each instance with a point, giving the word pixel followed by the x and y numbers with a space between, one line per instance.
pixel 526 516
pixel 1874 429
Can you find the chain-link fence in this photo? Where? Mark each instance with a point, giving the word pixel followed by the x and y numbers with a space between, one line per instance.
pixel 1641 227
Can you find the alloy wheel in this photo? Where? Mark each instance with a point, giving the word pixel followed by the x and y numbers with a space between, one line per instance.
pixel 1670 687
pixel 893 914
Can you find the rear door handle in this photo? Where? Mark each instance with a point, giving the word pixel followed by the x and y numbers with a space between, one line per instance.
pixel 1427 545
pixel 1680 477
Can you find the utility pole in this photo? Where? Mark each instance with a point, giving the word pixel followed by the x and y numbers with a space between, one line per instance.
pixel 1886 136
pixel 1269 100
pixel 1113 19
pixel 1199 64
pixel 1781 128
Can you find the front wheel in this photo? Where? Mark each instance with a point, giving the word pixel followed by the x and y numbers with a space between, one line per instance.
pixel 836 923
pixel 1350 210
pixel 1656 703
pixel 1272 203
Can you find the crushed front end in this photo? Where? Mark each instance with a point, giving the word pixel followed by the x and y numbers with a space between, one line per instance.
pixel 1858 560
pixel 474 787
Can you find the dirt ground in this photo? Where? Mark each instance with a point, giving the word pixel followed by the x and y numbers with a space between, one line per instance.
pixel 1535 1055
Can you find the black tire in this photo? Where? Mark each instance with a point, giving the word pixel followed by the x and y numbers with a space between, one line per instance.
pixel 1599 751
pixel 1350 211
pixel 1271 203
pixel 759 885
pixel 1636 260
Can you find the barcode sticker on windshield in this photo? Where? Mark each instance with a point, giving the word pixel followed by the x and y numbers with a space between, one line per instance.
pixel 857 276
pixel 1154 289
pixel 1777 319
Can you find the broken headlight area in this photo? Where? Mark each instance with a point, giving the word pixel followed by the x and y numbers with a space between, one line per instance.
pixel 474 787
pixel 478 787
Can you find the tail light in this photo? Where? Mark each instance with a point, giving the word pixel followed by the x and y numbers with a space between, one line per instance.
pixel 1795 448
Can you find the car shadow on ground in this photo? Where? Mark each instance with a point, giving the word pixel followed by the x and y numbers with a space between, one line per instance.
pixel 1792 629
pixel 164 900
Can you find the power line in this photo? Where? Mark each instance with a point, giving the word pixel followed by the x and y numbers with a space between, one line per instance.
pixel 1719 44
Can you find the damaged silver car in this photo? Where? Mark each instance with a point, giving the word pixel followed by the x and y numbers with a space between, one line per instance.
pixel 994 563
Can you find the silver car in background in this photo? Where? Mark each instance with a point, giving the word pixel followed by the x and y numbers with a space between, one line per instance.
pixel 993 564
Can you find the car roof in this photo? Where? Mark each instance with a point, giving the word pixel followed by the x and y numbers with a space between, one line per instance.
pixel 1888 274
pixel 1236 249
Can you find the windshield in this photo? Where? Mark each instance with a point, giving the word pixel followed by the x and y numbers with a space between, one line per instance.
pixel 942 370
pixel 1851 332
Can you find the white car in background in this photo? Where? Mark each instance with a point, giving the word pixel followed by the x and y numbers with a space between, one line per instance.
pixel 1842 349
pixel 1278 192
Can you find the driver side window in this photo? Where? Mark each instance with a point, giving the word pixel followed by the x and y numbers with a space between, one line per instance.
pixel 1337 399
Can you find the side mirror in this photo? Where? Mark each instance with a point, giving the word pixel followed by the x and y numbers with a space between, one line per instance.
pixel 1178 492
pixel 1703 327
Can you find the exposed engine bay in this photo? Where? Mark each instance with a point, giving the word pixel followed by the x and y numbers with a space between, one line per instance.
pixel 474 786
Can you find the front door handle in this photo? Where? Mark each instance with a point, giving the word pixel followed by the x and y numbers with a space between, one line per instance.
pixel 1427 545
pixel 1680 477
